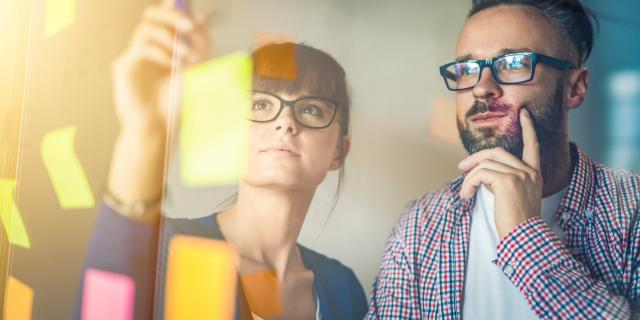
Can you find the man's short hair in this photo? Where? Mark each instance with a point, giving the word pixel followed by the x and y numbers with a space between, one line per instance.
pixel 575 21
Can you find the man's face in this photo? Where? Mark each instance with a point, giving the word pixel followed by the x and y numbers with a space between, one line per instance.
pixel 488 114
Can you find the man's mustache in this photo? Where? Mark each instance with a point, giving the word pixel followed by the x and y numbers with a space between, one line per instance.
pixel 479 107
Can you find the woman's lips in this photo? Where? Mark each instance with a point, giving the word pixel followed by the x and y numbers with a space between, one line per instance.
pixel 281 149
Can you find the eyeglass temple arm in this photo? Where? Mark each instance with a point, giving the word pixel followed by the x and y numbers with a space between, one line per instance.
pixel 558 63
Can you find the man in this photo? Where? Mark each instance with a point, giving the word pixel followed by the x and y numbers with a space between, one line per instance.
pixel 533 229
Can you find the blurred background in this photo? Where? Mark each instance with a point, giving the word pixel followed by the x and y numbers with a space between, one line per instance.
pixel 403 123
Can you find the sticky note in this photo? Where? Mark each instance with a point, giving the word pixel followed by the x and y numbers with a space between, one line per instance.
pixel 201 279
pixel 59 14
pixel 214 130
pixel 10 215
pixel 65 171
pixel 107 296
pixel 263 38
pixel 442 121
pixel 263 293
pixel 19 301
pixel 276 61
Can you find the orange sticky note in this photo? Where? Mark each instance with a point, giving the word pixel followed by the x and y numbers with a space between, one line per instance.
pixel 442 122
pixel 266 37
pixel 19 300
pixel 201 279
pixel 263 293
pixel 276 61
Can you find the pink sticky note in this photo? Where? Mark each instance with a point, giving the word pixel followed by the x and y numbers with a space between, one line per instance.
pixel 107 296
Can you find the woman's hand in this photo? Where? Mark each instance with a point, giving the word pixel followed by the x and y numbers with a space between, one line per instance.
pixel 165 41
pixel 146 78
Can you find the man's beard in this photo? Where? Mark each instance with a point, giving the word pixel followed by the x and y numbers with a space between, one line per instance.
pixel 548 121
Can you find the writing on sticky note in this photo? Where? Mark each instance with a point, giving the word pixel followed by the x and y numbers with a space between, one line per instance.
pixel 263 293
pixel 214 131
pixel 201 279
pixel 107 296
pixel 19 300
pixel 65 171
pixel 59 14
pixel 10 215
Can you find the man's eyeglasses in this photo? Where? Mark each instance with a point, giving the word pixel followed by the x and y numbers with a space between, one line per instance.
pixel 510 68
pixel 310 112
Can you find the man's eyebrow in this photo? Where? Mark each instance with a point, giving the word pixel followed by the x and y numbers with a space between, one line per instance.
pixel 501 52
pixel 515 50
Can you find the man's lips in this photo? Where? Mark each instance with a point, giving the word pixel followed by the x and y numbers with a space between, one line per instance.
pixel 487 117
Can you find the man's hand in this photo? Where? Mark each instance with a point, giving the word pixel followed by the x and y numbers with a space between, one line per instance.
pixel 516 184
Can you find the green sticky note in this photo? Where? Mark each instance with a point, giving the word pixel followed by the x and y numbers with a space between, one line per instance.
pixel 65 171
pixel 59 14
pixel 214 132
pixel 10 215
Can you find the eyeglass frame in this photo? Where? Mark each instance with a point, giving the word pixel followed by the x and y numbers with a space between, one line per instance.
pixel 291 103
pixel 488 63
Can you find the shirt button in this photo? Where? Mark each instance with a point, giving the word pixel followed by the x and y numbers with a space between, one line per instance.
pixel 588 214
pixel 565 216
pixel 508 270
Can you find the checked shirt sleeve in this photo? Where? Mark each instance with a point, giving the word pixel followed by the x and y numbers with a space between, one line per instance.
pixel 394 292
pixel 557 285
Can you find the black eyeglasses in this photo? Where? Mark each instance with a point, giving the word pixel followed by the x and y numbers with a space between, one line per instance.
pixel 510 68
pixel 310 112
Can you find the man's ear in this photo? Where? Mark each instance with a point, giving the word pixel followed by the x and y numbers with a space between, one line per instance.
pixel 578 86
pixel 344 145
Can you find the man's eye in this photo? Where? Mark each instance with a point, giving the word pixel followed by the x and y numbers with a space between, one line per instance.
pixel 470 69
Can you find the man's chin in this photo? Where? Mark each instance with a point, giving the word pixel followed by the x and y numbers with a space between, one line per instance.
pixel 474 144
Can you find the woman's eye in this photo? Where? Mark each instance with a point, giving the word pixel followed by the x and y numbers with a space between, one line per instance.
pixel 261 105
pixel 312 110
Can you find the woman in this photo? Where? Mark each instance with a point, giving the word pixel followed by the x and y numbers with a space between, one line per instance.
pixel 298 132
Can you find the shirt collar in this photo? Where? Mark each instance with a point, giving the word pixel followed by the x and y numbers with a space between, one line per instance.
pixel 580 188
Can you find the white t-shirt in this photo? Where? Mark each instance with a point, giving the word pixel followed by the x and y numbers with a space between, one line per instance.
pixel 488 293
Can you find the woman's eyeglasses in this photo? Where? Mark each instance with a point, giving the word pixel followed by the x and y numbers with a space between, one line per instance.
pixel 310 112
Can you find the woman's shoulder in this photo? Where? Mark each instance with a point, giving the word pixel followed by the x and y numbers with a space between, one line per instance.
pixel 320 262
pixel 339 290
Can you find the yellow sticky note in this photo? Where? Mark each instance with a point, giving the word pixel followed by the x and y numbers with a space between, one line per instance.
pixel 19 300
pixel 65 171
pixel 59 14
pixel 10 215
pixel 214 132
pixel 201 279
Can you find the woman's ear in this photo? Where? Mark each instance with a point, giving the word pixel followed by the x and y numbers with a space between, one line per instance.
pixel 344 145
pixel 578 85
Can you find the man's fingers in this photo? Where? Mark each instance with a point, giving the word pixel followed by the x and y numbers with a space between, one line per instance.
pixel 531 151
pixel 473 181
pixel 495 154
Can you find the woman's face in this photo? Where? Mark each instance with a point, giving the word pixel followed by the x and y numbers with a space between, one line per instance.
pixel 285 154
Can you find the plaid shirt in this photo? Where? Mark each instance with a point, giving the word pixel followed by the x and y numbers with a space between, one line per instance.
pixel 594 274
